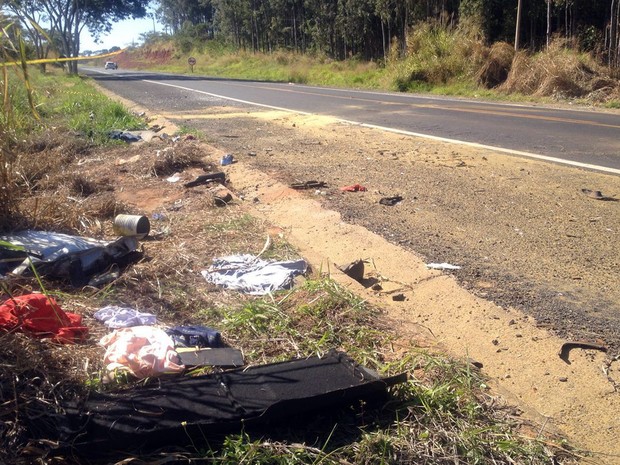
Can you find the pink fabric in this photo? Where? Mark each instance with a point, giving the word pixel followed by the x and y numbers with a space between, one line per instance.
pixel 142 350
pixel 354 188
pixel 40 316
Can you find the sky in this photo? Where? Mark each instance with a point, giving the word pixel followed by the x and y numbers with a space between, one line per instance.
pixel 123 34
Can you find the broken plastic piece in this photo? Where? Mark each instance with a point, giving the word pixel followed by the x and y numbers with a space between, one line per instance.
pixel 206 179
pixel 390 201
pixel 221 357
pixel 227 159
pixel 567 346
pixel 124 136
pixel 354 270
pixel 596 195
pixel 442 266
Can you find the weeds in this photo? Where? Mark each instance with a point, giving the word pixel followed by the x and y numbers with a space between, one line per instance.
pixel 75 104
pixel 18 115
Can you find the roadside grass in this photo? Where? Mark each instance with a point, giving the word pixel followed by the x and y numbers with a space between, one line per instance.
pixel 61 105
pixel 444 413
pixel 278 67
pixel 72 102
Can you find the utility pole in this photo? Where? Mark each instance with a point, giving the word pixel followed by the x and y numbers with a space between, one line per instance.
pixel 518 28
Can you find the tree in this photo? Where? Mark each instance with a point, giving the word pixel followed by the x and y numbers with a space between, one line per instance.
pixel 66 19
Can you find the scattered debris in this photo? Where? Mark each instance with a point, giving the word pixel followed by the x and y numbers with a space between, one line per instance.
pixel 222 197
pixel 174 178
pixel 354 188
pixel 597 195
pixel 309 185
pixel 249 274
pixel 39 315
pixel 206 179
pixel 137 226
pixel 568 346
pixel 391 201
pixel 227 159
pixel 194 336
pixel 220 357
pixel 116 317
pixel 354 270
pixel 76 259
pixel 125 161
pixel 442 266
pixel 399 297
pixel 125 136
pixel 172 411
pixel 142 351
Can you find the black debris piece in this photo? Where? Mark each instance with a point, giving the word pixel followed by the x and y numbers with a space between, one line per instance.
pixel 75 259
pixel 181 411
pixel 194 336
pixel 206 179
pixel 124 136
pixel 598 195
pixel 568 346
pixel 390 201
pixel 354 270
pixel 220 357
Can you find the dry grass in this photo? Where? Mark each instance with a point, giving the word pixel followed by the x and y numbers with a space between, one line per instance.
pixel 558 72
pixel 80 197
pixel 175 159
pixel 496 65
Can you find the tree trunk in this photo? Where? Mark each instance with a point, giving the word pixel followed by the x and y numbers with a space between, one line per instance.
pixel 383 40
pixel 549 22
pixel 518 27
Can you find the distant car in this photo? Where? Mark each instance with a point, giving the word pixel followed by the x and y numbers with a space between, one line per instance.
pixel 110 65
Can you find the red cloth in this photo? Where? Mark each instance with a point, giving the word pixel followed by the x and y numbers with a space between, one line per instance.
pixel 40 316
pixel 354 188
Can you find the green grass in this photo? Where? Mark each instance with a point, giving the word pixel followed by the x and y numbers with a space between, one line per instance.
pixel 74 103
pixel 442 414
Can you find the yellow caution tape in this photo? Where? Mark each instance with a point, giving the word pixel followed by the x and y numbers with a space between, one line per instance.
pixel 56 60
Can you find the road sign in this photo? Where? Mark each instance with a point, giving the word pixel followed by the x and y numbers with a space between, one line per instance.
pixel 191 61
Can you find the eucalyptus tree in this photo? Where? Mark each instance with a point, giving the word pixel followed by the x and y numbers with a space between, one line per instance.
pixel 176 13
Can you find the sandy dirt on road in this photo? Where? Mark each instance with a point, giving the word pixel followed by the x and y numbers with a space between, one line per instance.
pixel 539 258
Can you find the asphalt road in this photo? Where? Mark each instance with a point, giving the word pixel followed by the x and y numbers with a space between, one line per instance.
pixel 588 139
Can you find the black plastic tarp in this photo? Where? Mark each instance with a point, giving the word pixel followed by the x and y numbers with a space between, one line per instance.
pixel 173 410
